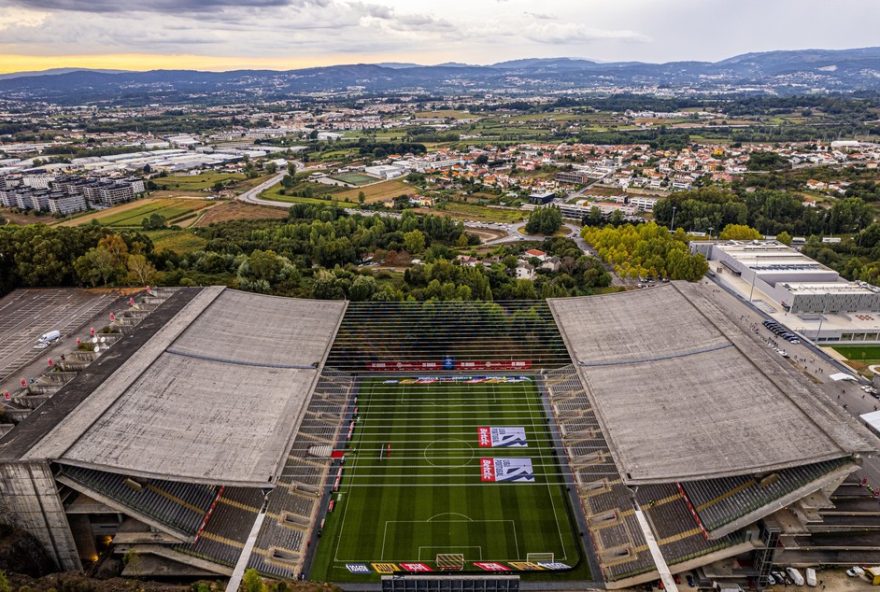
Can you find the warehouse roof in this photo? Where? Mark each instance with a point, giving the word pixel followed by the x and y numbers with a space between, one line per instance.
pixel 684 393
pixel 214 396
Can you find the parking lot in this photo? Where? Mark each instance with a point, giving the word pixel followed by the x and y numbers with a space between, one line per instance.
pixel 27 314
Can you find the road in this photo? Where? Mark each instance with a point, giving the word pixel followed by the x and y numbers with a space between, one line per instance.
pixel 252 196
pixel 818 365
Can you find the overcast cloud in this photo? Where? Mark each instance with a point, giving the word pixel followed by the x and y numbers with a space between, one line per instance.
pixel 304 32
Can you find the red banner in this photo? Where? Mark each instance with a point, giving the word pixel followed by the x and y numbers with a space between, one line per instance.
pixel 491 566
pixel 416 366
pixel 416 567
pixel 484 436
pixel 487 470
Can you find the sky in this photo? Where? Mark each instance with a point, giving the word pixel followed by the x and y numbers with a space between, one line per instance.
pixel 288 34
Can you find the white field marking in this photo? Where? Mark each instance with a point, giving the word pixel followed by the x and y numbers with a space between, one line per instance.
pixel 466 517
pixel 549 491
pixel 430 462
pixel 467 520
pixel 478 547
pixel 352 471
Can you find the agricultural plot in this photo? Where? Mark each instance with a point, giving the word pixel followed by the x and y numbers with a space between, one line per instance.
pixel 449 476
pixel 170 208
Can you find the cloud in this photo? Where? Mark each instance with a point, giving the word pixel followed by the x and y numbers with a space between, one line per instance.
pixel 16 17
pixel 571 33
pixel 158 6
pixel 540 16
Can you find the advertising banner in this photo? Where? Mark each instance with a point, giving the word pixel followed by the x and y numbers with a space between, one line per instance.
pixel 506 470
pixel 501 437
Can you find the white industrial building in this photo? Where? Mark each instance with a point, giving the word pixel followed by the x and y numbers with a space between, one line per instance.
pixel 798 291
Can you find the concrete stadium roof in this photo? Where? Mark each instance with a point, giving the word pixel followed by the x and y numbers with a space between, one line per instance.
pixel 214 396
pixel 683 393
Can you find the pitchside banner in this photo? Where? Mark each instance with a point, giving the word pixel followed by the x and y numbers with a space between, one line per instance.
pixel 506 470
pixel 504 437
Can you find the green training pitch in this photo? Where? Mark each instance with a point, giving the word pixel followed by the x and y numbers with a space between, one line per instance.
pixel 426 495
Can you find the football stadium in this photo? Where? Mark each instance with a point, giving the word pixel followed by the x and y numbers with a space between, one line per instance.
pixel 604 441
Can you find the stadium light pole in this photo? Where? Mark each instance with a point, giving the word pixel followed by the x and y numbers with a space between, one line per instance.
pixel 673 219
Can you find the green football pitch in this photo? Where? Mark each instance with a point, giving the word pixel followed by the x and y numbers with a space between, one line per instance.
pixel 413 488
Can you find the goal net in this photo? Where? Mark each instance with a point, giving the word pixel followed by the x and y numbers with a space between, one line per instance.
pixel 536 557
pixel 450 561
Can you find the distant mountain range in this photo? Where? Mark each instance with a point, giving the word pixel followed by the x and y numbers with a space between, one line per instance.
pixel 783 72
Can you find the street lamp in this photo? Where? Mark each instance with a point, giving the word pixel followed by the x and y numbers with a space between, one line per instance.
pixel 673 219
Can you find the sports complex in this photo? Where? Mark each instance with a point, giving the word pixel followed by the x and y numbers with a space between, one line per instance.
pixel 502 444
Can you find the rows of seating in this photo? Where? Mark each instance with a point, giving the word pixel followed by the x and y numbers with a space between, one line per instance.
pixel 224 533
pixel 721 501
pixel 292 509
pixel 179 506
pixel 618 540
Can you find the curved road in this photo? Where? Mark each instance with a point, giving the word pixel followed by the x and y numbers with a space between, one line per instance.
pixel 252 196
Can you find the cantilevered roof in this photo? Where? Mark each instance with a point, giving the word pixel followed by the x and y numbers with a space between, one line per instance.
pixel 214 396
pixel 683 393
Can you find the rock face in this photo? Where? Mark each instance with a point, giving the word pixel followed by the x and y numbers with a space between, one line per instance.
pixel 20 552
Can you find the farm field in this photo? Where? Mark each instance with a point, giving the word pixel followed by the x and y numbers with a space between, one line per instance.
pixel 428 485
pixel 131 214
pixel 385 191
pixel 464 211
pixel 237 210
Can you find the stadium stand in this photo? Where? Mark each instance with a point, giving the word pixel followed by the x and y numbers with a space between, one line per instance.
pixel 184 429
pixel 223 405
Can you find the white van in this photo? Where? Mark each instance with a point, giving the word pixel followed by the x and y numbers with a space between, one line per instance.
pixel 47 339
pixel 811 577
pixel 795 576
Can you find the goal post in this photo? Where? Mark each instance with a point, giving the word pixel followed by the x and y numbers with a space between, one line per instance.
pixel 450 561
pixel 536 557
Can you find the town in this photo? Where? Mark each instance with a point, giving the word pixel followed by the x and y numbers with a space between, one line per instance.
pixel 295 312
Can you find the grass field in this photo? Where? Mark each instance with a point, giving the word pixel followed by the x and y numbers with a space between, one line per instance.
pixel 200 182
pixel 179 241
pixel 467 211
pixel 427 496
pixel 860 356
pixel 385 191
pixel 354 178
pixel 169 208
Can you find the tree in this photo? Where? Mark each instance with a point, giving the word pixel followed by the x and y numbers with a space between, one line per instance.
pixel 362 197
pixel 291 169
pixel 739 232
pixel 544 220
pixel 140 270
pixel 106 264
pixel 414 241
pixel 252 582
pixel 271 168
pixel 784 238
pixel 481 159
pixel 362 288
pixel 153 222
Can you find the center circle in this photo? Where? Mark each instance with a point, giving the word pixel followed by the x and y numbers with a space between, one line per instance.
pixel 449 453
